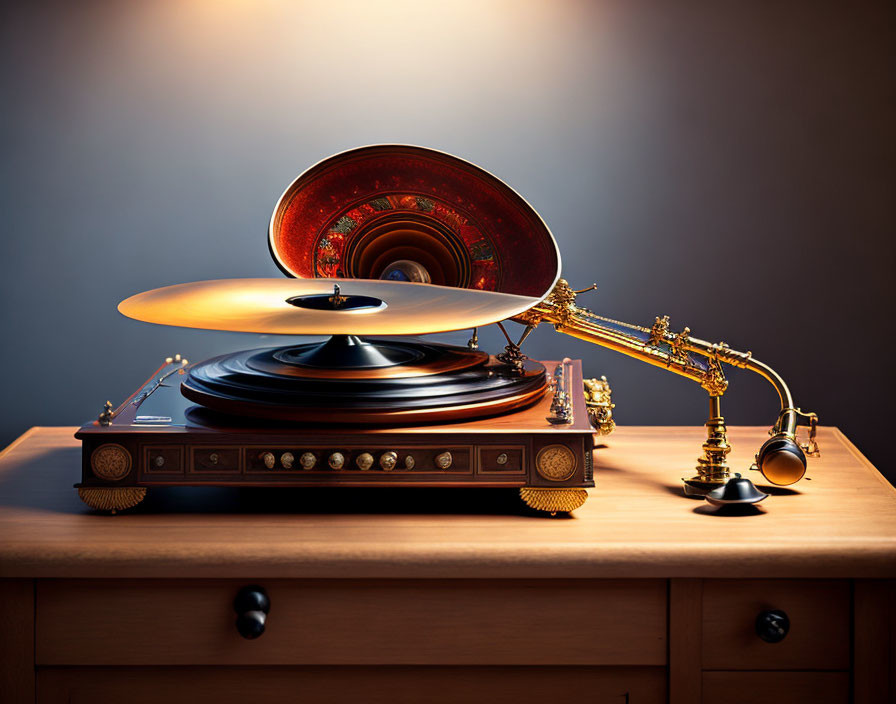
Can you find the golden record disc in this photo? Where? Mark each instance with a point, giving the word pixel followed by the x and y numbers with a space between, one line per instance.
pixel 307 306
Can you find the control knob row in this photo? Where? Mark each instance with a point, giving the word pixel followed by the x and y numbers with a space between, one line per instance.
pixel 388 460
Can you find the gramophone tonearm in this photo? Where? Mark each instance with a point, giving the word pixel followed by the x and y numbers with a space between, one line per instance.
pixel 781 459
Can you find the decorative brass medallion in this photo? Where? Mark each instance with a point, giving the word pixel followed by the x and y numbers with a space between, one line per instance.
pixel 556 463
pixel 110 462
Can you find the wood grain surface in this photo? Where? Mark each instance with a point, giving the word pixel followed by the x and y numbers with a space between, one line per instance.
pixel 334 685
pixel 839 522
pixel 16 640
pixel 777 687
pixel 355 622
pixel 874 646
pixel 685 640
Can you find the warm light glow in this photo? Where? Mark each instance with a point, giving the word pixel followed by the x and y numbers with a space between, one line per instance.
pixel 353 61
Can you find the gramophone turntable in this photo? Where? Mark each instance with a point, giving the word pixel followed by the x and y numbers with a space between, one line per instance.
pixel 383 244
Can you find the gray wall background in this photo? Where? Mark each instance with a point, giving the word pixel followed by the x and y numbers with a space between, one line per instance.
pixel 730 164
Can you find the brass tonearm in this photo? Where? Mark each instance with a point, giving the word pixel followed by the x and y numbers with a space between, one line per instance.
pixel 781 459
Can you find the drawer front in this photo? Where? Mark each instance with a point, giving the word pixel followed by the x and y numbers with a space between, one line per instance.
pixel 818 636
pixel 776 687
pixel 392 685
pixel 354 622
pixel 215 460
pixel 163 459
pixel 509 459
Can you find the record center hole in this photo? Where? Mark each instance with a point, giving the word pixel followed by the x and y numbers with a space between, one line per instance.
pixel 337 302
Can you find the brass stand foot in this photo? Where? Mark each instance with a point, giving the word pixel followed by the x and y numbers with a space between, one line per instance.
pixel 712 467
pixel 553 500
pixel 113 498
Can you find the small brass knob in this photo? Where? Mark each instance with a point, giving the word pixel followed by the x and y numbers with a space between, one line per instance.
pixel 502 458
pixel 269 459
pixel 409 462
pixel 336 460
pixel 213 458
pixel 364 461
pixel 388 460
pixel 307 460
pixel 286 459
pixel 444 460
pixel 158 461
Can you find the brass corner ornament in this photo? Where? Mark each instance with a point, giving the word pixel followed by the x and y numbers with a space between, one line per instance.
pixel 107 414
pixel 598 400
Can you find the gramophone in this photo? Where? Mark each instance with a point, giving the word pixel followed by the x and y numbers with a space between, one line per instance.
pixel 380 245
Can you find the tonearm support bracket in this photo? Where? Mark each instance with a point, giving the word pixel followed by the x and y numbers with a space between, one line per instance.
pixel 598 401
pixel 512 356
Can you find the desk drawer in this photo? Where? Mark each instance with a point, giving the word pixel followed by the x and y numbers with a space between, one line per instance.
pixel 354 622
pixel 367 684
pixel 775 687
pixel 818 637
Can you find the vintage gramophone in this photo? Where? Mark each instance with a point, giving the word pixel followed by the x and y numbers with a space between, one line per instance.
pixel 398 240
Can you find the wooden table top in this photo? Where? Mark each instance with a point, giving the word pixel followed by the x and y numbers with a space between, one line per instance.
pixel 841 522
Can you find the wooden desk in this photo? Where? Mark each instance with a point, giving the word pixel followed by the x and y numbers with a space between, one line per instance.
pixel 449 595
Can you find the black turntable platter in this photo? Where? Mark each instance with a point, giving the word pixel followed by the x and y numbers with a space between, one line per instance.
pixel 348 380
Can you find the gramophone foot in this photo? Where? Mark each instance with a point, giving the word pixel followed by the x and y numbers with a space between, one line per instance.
pixel 553 500
pixel 113 498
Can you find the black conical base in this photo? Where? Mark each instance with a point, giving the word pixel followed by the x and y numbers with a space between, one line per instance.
pixel 348 352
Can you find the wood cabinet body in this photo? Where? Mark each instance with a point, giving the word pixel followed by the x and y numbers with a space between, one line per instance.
pixel 453 595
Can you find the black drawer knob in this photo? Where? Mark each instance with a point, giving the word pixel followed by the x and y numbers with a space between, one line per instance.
pixel 772 625
pixel 252 606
